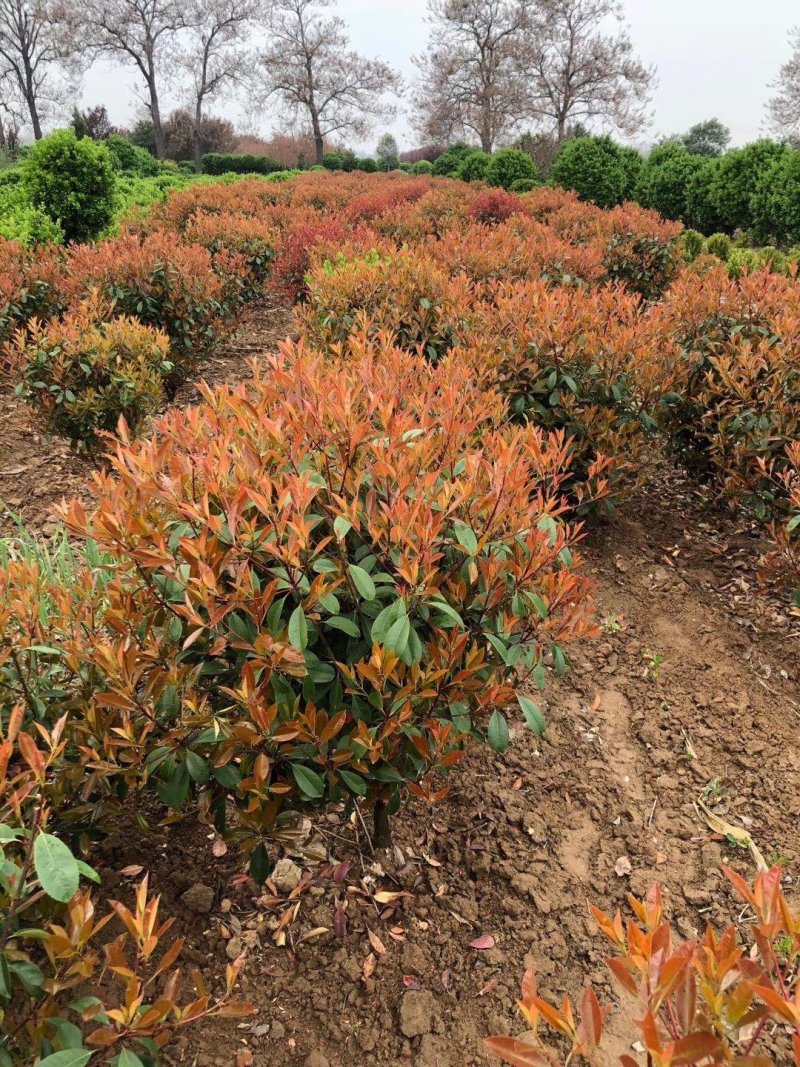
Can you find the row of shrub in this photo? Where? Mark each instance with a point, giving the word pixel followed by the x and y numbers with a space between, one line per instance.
pixel 752 190
pixel 239 163
pixel 318 586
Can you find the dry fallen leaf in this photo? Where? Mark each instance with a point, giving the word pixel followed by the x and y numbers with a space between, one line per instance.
pixel 376 943
pixel 623 867
pixel 369 966
pixel 482 943
pixel 490 987
pixel 410 983
pixel 132 871
pixel 720 826
pixel 219 848
pixel 385 897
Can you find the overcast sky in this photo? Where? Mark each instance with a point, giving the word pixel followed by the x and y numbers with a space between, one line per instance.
pixel 713 58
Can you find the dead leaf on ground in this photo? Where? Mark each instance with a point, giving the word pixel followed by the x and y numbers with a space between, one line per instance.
pixel 376 943
pixel 482 943
pixel 727 829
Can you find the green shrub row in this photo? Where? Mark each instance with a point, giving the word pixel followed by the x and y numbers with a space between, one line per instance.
pixel 753 190
pixel 238 163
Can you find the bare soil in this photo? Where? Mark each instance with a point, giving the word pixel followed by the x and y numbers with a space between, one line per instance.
pixel 689 693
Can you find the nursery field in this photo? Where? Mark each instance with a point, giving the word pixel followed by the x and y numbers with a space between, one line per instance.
pixel 461 596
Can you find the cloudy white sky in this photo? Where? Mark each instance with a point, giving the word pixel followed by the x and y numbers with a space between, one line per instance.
pixel 713 57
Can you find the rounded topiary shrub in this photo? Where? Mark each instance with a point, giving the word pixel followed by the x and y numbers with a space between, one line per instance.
pixel 693 244
pixel 665 180
pixel 474 167
pixel 74 182
pixel 423 166
pixel 596 169
pixel 719 245
pixel 510 165
pixel 446 166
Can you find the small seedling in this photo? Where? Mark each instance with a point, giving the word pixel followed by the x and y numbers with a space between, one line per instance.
pixel 654 662
pixel 714 791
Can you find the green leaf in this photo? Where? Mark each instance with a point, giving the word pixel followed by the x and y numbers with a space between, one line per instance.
pixel 28 974
pixel 69 1035
pixel 793 523
pixel 466 537
pixel 308 782
pixel 88 872
pixel 197 767
pixel 228 775
pixel 175 790
pixel 532 713
pixel 259 864
pixel 385 620
pixel 298 629
pixel 347 626
pixel 129 1059
pixel 56 868
pixel 559 660
pixel 70 1057
pixel 447 611
pixel 354 783
pixel 539 603
pixel 342 526
pixel 397 637
pixel 498 732
pixel 362 581
pixel 500 648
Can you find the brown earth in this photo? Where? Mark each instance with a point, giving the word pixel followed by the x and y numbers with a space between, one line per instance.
pixel 690 693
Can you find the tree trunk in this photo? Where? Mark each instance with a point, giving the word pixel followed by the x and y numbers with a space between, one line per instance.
pixel 382 836
pixel 196 145
pixel 30 99
pixel 155 115
pixel 319 147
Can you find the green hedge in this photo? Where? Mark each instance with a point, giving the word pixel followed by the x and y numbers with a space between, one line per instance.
pixel 238 163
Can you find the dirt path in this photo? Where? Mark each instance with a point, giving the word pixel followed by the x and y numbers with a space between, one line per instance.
pixel 37 472
pixel 689 693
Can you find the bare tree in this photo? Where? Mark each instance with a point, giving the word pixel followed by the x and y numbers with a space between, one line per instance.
pixel 213 55
pixel 472 75
pixel 141 32
pixel 12 112
pixel 581 73
pixel 36 41
pixel 783 110
pixel 311 69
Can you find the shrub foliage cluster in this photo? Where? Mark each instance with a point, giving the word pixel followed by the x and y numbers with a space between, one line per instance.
pixel 319 586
